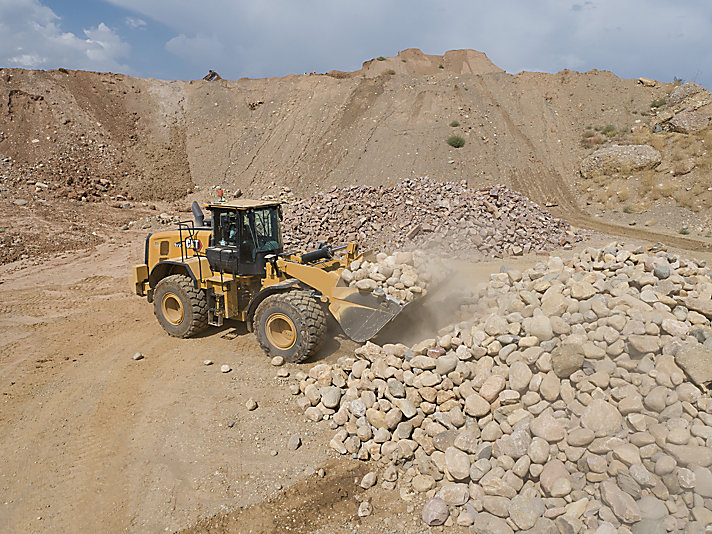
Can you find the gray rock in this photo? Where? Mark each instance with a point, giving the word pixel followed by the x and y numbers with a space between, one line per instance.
pixel 622 504
pixel 330 396
pixel 690 121
pixel 496 505
pixel 684 91
pixel 435 512
pixel 540 326
pixel 454 494
pixel 554 470
pixel 368 480
pixel 648 526
pixel 602 418
pixel 294 442
pixel 690 455
pixel 546 427
pixel 519 376
pixel 396 388
pixel 620 159
pixel 696 361
pixel 643 344
pixel 525 511
pixel 365 509
pixel 457 463
pixel 514 445
pixel 651 508
pixel 566 359
pixel 446 364
pixel 476 406
pixel 662 272
pixel 486 523
pixel 703 481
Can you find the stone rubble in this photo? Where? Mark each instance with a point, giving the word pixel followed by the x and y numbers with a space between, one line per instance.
pixel 403 275
pixel 562 402
pixel 421 213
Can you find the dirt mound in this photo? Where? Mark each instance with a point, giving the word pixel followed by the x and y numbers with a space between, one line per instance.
pixel 413 61
pixel 91 136
pixel 429 215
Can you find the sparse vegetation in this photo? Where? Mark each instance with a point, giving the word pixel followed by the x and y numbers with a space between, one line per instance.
pixel 456 141
pixel 677 81
pixel 391 72
pixel 609 131
pixel 628 209
pixel 454 124
pixel 684 230
pixel 381 58
pixel 589 133
pixel 403 60
pixel 658 103
pixel 441 66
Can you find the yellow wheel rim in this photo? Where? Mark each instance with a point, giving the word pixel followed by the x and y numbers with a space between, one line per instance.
pixel 172 309
pixel 281 331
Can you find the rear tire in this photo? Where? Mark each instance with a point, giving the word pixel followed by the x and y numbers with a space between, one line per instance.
pixel 290 324
pixel 181 309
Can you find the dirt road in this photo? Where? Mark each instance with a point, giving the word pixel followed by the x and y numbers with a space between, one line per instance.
pixel 95 441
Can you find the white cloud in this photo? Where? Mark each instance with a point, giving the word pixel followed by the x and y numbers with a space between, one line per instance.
pixel 196 49
pixel 135 23
pixel 240 37
pixel 31 36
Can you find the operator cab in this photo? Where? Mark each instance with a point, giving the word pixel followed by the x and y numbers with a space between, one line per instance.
pixel 244 233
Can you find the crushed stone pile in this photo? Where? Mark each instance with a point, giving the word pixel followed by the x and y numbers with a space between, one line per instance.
pixel 422 213
pixel 576 402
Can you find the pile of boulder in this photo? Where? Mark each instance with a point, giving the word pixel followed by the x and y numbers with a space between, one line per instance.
pixel 403 275
pixel 577 401
pixel 426 214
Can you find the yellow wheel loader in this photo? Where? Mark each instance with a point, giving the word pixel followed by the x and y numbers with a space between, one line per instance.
pixel 233 266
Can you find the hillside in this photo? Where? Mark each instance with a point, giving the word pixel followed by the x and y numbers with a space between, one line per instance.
pixel 98 135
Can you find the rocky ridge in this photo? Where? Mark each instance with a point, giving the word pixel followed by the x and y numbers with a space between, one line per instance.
pixel 421 213
pixel 574 400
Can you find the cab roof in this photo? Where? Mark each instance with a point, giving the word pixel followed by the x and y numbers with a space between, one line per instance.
pixel 243 204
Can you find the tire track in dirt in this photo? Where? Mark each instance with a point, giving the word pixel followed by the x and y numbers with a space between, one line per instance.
pixel 544 187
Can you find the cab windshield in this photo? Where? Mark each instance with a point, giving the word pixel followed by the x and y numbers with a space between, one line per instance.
pixel 264 228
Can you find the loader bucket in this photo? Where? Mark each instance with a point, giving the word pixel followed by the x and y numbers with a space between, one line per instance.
pixel 362 315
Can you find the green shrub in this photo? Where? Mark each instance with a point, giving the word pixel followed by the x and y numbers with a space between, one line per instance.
pixel 684 230
pixel 658 103
pixel 454 124
pixel 609 131
pixel 677 81
pixel 381 58
pixel 628 209
pixel 391 72
pixel 440 66
pixel 456 141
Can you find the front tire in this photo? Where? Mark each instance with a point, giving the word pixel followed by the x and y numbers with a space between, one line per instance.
pixel 291 325
pixel 181 309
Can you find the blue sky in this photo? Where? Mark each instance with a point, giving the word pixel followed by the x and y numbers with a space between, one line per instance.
pixel 182 39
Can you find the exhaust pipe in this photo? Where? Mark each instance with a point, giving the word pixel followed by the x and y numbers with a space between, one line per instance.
pixel 198 214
